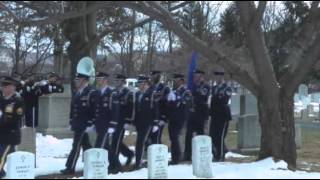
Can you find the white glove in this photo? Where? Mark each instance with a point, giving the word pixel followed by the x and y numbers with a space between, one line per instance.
pixel 90 129
pixel 155 129
pixel 162 123
pixel 126 126
pixel 43 82
pixel 172 96
pixel 111 130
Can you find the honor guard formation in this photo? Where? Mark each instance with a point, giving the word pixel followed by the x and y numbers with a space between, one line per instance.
pixel 109 109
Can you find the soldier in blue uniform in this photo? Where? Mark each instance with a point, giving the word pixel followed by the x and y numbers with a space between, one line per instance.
pixel 200 111
pixel 145 118
pixel 103 111
pixel 160 94
pixel 81 120
pixel 122 117
pixel 11 113
pixel 180 103
pixel 221 115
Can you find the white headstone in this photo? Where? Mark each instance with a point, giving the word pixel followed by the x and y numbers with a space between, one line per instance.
pixel 303 90
pixel 235 104
pixel 96 164
pixel 296 98
pixel 21 165
pixel 158 161
pixel 315 97
pixel 202 157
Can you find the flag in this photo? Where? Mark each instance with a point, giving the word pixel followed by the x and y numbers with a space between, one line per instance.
pixel 192 68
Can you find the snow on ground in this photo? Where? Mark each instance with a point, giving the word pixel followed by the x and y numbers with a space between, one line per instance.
pixel 52 154
pixel 257 170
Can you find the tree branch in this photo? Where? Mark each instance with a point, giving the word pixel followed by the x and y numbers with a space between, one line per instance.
pixel 306 40
pixel 58 18
pixel 9 11
pixel 217 53
pixel 256 44
pixel 120 30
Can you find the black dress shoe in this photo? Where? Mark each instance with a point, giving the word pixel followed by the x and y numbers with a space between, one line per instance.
pixel 172 163
pixel 115 170
pixel 129 160
pixel 2 175
pixel 136 168
pixel 187 159
pixel 67 172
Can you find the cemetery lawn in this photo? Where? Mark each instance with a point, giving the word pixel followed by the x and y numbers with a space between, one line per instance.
pixel 52 156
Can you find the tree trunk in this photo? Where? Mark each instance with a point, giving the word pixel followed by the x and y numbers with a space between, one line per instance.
pixel 17 55
pixel 130 64
pixel 78 31
pixel 278 129
pixel 58 51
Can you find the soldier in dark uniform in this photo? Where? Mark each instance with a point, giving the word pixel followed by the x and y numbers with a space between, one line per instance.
pixel 52 85
pixel 145 119
pixel 221 115
pixel 160 94
pixel 31 91
pixel 180 103
pixel 122 117
pixel 30 94
pixel 103 111
pixel 81 120
pixel 200 114
pixel 11 113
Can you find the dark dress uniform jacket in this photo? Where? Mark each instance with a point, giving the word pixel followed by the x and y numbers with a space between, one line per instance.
pixel 145 109
pixel 11 120
pixel 103 112
pixel 82 110
pixel 220 110
pixel 160 92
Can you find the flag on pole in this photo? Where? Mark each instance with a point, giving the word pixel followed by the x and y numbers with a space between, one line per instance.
pixel 192 68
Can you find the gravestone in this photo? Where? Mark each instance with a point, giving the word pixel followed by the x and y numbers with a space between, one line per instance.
pixel 248 104
pixel 21 165
pixel 28 140
pixel 158 161
pixel 96 164
pixel 202 156
pixel 315 97
pixel 54 112
pixel 305 115
pixel 249 135
pixel 303 90
pixel 298 137
pixel 235 105
pixel 296 97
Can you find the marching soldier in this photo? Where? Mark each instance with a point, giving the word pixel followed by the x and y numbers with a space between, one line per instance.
pixel 145 119
pixel 160 94
pixel 11 113
pixel 81 120
pixel 122 106
pixel 221 115
pixel 103 111
pixel 200 114
pixel 180 103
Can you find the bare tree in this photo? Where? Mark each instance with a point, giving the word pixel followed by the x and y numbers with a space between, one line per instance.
pixel 252 67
